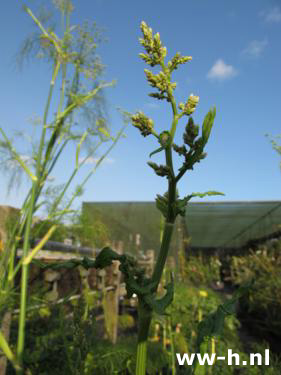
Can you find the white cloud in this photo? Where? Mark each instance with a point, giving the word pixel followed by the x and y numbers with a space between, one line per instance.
pixel 221 71
pixel 273 15
pixel 255 48
pixel 92 160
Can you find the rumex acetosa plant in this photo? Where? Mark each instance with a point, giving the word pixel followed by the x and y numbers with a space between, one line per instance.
pixel 192 151
pixel 170 204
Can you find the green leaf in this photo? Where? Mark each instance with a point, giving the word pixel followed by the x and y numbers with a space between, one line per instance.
pixel 82 139
pixel 69 264
pixel 162 204
pixel 132 287
pixel 208 124
pixel 156 151
pixel 213 324
pixel 105 257
pixel 157 95
pixel 202 195
pixel 180 204
pixel 159 305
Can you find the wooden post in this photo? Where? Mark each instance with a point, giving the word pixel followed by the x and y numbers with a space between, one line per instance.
pixel 111 297
pixel 150 255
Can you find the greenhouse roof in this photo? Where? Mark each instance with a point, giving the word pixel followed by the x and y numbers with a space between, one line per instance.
pixel 231 224
pixel 210 224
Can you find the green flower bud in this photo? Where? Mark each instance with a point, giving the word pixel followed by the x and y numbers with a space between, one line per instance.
pixel 191 132
pixel 160 170
pixel 152 45
pixel 164 138
pixel 192 103
pixel 181 150
pixel 163 52
pixel 143 56
pixel 208 124
pixel 177 60
pixel 143 123
pixel 157 38
pixel 181 106
pixel 189 107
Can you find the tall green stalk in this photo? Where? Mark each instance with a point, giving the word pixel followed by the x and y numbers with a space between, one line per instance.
pixel 169 204
pixel 24 281
pixel 26 246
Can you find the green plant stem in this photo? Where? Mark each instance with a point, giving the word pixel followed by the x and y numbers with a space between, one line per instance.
pixel 25 206
pixel 36 189
pixel 34 194
pixel 24 281
pixel 46 111
pixel 9 354
pixel 141 358
pixel 145 316
pixel 144 312
pixel 161 260
pixel 169 223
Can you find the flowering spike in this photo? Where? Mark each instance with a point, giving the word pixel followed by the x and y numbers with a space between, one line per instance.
pixel 189 107
pixel 143 123
pixel 153 46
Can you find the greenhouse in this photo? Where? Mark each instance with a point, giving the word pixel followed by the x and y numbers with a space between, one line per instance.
pixel 209 224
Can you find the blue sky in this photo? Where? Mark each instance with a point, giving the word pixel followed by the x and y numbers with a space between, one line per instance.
pixel 236 60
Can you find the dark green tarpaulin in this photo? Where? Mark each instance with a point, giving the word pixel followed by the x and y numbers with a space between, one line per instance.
pixel 210 224
pixel 231 224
